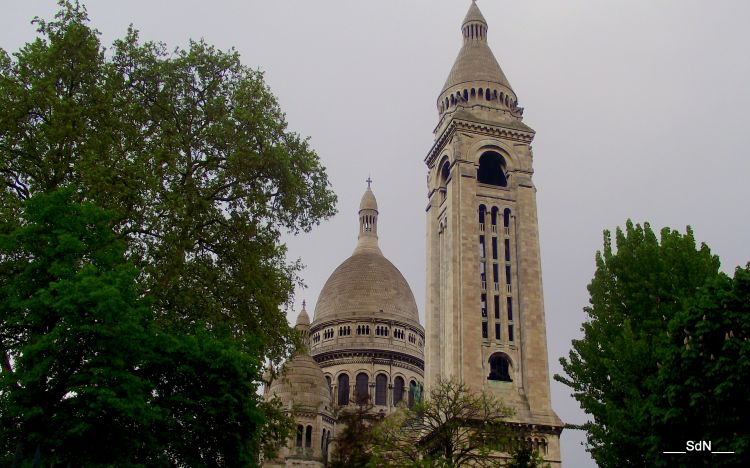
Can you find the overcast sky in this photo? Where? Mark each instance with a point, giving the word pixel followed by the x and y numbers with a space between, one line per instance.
pixel 640 109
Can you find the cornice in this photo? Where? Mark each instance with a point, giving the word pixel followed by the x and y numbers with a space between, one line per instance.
pixel 366 356
pixel 522 134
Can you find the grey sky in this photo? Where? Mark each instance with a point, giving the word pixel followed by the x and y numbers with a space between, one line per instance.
pixel 639 107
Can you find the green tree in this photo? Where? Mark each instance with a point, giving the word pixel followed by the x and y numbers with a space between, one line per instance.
pixel 95 381
pixel 637 290
pixel 452 427
pixel 188 147
pixel 704 371
pixel 190 154
pixel 72 315
pixel 354 442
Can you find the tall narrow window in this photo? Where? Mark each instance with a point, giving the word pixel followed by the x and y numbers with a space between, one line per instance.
pixel 381 389
pixel 509 306
pixel 412 393
pixel 494 273
pixel 481 247
pixel 497 307
pixel 343 390
pixel 510 332
pixel 398 390
pixel 484 330
pixel 361 391
pixel 300 432
pixel 482 211
pixel 506 218
pixel 308 437
pixel 494 248
pixel 494 216
pixel 507 275
pixel 497 331
pixel 484 305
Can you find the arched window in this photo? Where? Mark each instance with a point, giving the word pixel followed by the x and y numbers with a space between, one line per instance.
pixel 499 368
pixel 308 437
pixel 412 393
pixel 323 440
pixel 343 384
pixel 300 431
pixel 360 391
pixel 482 212
pixel 381 389
pixel 398 390
pixel 492 169
pixel 506 218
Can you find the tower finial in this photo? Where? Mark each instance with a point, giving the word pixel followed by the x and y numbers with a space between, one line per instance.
pixel 369 181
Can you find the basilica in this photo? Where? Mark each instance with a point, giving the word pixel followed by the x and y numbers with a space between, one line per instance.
pixel 485 323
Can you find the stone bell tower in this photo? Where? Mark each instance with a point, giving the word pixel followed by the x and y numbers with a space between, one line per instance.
pixel 484 308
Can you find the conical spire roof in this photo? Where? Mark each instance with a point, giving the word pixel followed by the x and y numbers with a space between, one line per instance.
pixel 474 14
pixel 303 319
pixel 475 61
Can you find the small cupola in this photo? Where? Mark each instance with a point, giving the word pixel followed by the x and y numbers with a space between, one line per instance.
pixel 474 26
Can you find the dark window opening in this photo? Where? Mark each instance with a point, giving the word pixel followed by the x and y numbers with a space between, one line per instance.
pixel 484 330
pixel 361 393
pixel 484 305
pixel 499 368
pixel 507 275
pixel 494 216
pixel 497 307
pixel 398 390
pixel 494 272
pixel 494 248
pixel 497 331
pixel 300 431
pixel 510 332
pixel 343 393
pixel 509 306
pixel 308 437
pixel 492 169
pixel 506 217
pixel 507 250
pixel 381 388
pixel 482 211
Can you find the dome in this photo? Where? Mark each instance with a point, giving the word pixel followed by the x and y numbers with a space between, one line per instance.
pixel 366 285
pixel 302 383
pixel 368 201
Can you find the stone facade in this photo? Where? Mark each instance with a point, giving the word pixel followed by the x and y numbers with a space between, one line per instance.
pixel 485 320
pixel 484 310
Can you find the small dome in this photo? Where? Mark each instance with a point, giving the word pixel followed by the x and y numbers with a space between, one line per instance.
pixel 368 201
pixel 302 383
pixel 366 285
pixel 303 318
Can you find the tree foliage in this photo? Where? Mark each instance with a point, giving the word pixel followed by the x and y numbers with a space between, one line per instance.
pixel 189 156
pixel 95 380
pixel 191 151
pixel 353 445
pixel 638 290
pixel 452 427
pixel 704 370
